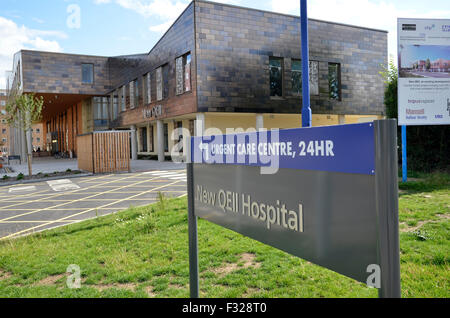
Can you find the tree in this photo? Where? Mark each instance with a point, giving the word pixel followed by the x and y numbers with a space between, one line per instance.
pixel 390 75
pixel 22 112
pixel 428 64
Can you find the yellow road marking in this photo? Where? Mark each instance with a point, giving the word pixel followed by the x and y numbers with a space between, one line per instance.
pixel 74 215
pixel 61 194
pixel 73 201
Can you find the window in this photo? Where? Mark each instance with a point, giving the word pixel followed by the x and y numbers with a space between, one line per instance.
pixel 87 71
pixel 296 75
pixel 148 86
pixel 276 77
pixel 136 92
pixel 297 80
pixel 123 95
pixel 183 74
pixel 187 73
pixel 165 78
pixel 150 138
pixel 159 84
pixel 38 139
pixel 131 85
pixel 3 131
pixel 100 105
pixel 38 131
pixel 180 75
pixel 3 103
pixel 143 139
pixel 115 105
pixel 334 80
pixel 4 139
pixel 166 138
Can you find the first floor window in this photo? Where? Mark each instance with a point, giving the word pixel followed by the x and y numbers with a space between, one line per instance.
pixel 276 77
pixel 123 96
pixel 334 80
pixel 87 71
pixel 297 80
pixel 159 84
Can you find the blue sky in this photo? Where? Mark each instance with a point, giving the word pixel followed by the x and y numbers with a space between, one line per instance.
pixel 118 27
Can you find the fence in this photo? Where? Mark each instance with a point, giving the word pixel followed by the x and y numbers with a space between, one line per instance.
pixel 104 152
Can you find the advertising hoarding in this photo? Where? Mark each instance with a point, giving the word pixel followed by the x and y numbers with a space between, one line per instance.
pixel 424 72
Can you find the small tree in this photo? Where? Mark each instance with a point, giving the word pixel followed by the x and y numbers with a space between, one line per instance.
pixel 22 111
pixel 390 75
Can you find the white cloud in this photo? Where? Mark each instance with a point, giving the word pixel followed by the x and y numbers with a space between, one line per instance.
pixel 166 11
pixel 15 38
pixel 379 15
pixel 101 1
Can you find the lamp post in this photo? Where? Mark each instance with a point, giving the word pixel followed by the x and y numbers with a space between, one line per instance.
pixel 306 110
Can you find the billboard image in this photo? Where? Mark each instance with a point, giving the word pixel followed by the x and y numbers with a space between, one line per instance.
pixel 424 61
pixel 424 72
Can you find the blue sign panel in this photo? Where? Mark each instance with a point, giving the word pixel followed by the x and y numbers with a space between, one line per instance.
pixel 346 148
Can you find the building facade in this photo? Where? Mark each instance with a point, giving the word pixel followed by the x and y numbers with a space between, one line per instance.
pixel 218 67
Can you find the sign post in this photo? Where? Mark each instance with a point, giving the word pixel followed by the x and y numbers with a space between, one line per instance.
pixel 404 155
pixel 328 195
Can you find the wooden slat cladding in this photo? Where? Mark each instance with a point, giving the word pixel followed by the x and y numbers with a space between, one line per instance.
pixel 104 152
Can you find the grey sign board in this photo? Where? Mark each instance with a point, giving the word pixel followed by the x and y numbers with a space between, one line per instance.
pixel 346 222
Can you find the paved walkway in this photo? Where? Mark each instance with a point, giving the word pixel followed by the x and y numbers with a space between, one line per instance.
pixel 50 165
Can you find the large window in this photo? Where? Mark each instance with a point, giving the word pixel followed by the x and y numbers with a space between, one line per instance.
pixel 183 74
pixel 132 96
pixel 100 107
pixel 296 74
pixel 276 77
pixel 136 92
pixel 297 80
pixel 166 138
pixel 143 139
pixel 148 88
pixel 87 73
pixel 165 77
pixel 123 96
pixel 334 80
pixel 159 84
pixel 114 99
pixel 151 143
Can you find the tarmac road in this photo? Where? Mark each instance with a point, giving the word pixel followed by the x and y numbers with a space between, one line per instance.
pixel 29 208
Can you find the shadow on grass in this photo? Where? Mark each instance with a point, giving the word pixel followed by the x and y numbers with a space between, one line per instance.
pixel 432 182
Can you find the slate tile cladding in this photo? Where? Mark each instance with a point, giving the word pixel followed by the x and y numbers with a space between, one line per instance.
pixel 176 42
pixel 230 48
pixel 233 49
pixel 46 72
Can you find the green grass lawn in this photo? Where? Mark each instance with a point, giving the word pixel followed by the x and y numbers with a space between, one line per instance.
pixel 143 252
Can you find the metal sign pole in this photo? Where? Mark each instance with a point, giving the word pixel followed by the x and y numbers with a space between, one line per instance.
pixel 193 237
pixel 386 188
pixel 306 110
pixel 404 156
